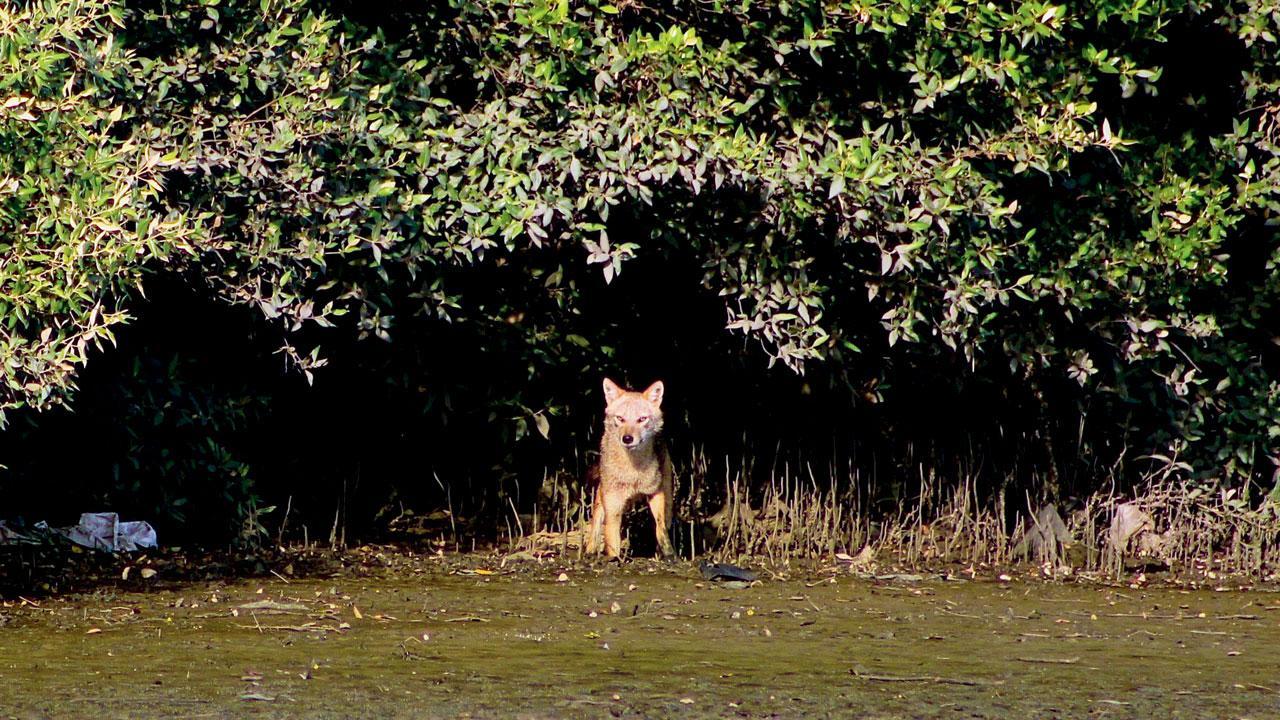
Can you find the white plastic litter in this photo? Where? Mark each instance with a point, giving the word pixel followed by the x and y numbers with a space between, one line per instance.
pixel 100 531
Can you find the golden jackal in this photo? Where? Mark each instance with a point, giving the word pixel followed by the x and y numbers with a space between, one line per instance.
pixel 633 464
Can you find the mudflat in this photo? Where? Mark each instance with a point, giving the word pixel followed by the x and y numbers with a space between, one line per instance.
pixel 440 638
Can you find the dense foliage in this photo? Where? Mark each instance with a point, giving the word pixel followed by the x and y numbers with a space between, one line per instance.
pixel 1073 203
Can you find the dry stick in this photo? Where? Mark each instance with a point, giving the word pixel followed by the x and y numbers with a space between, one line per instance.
pixel 945 611
pixel 1166 616
pixel 291 628
pixel 1050 661
pixel 922 678
pixel 147 700
pixel 271 606
pixel 1144 616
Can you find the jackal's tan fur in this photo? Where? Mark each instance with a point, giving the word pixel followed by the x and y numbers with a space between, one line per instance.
pixel 634 464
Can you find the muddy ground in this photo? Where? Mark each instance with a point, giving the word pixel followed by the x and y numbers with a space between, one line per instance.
pixel 403 635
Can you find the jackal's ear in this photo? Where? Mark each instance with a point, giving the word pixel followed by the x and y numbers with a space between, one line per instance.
pixel 653 393
pixel 611 391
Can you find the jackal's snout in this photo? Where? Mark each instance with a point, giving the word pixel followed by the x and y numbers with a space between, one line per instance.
pixel 631 435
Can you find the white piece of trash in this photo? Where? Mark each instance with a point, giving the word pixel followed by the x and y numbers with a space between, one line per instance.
pixel 104 531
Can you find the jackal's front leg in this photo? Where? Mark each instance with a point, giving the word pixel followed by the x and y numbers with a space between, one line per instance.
pixel 612 507
pixel 660 505
pixel 596 531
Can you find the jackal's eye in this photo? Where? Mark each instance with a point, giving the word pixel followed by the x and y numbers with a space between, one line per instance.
pixel 642 419
pixel 619 419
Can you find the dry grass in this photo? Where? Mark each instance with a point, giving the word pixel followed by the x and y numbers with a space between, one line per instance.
pixel 796 513
pixel 1195 532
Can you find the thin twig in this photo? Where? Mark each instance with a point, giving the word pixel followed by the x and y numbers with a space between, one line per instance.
pixel 1050 661
pixel 923 678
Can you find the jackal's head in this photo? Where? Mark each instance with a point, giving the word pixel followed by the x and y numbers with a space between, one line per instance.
pixel 633 418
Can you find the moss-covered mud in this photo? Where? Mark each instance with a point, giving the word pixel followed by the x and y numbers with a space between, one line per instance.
pixel 434 638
